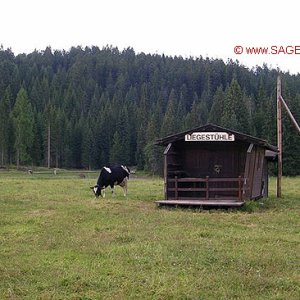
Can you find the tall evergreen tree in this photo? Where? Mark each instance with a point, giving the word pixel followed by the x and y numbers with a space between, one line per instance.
pixel 153 154
pixel 23 124
pixel 5 123
pixel 291 140
pixel 142 119
pixel 198 115
pixel 37 149
pixel 235 114
pixel 169 124
pixel 87 146
pixel 59 126
pixel 217 108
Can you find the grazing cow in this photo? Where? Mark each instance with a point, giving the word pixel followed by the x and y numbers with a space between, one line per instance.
pixel 111 176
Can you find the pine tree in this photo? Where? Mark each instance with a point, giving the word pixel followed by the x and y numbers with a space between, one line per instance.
pixel 38 145
pixel 23 124
pixel 142 119
pixel 5 122
pixel 153 154
pixel 217 107
pixel 170 121
pixel 116 153
pixel 235 114
pixel 87 146
pixel 198 115
pixel 291 140
pixel 120 151
pixel 59 137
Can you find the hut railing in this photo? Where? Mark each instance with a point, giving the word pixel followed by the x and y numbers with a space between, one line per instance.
pixel 208 187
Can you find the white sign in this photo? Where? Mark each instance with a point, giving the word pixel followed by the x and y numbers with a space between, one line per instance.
pixel 209 137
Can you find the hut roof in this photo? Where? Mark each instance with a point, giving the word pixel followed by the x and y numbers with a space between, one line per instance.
pixel 215 128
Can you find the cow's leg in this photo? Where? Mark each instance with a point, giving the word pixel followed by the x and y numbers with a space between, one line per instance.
pixel 123 184
pixel 112 189
pixel 104 193
pixel 126 187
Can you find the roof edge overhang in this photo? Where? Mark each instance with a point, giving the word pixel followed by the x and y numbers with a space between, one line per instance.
pixel 215 128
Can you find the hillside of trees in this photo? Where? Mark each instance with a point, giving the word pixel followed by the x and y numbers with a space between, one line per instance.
pixel 86 107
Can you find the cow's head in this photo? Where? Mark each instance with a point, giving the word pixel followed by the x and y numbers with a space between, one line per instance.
pixel 97 190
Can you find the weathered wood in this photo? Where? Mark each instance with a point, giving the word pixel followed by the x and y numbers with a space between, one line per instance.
pixel 187 180
pixel 238 190
pixel 197 202
pixel 176 188
pixel 207 188
pixel 191 189
pixel 223 198
pixel 204 179
pixel 279 137
pixel 211 170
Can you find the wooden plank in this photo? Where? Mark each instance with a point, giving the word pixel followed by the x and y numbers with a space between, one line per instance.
pixel 224 179
pixel 201 202
pixel 176 187
pixel 224 189
pixel 225 198
pixel 188 179
pixel 187 189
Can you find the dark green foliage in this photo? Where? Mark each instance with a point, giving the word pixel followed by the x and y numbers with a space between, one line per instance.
pixel 106 105
pixel 23 127
pixel 217 107
pixel 5 127
pixel 235 113
pixel 291 141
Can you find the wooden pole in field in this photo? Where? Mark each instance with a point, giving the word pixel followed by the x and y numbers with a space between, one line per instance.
pixel 279 137
pixel 48 146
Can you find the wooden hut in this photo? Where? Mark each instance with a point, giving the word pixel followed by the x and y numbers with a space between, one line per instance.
pixel 215 166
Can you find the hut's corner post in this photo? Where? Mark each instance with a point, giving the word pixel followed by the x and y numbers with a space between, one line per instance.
pixel 166 170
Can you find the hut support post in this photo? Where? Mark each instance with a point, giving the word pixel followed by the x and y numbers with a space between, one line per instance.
pixel 240 188
pixel 207 188
pixel 176 187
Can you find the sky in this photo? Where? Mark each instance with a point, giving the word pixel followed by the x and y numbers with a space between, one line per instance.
pixel 216 29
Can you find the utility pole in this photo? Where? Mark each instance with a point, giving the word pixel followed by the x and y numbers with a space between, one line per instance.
pixel 49 146
pixel 279 137
pixel 280 101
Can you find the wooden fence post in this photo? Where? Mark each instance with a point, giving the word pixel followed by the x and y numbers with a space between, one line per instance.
pixel 240 188
pixel 176 187
pixel 207 187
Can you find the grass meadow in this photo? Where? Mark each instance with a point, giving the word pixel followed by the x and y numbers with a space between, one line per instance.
pixel 58 242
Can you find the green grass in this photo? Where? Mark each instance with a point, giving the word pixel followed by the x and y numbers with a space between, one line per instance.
pixel 58 242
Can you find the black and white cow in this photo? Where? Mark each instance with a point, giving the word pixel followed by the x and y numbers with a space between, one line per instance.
pixel 111 176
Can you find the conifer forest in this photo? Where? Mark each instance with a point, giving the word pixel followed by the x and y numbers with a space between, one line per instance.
pixel 87 107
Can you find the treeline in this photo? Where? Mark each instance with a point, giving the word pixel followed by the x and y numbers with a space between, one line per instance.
pixel 87 107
